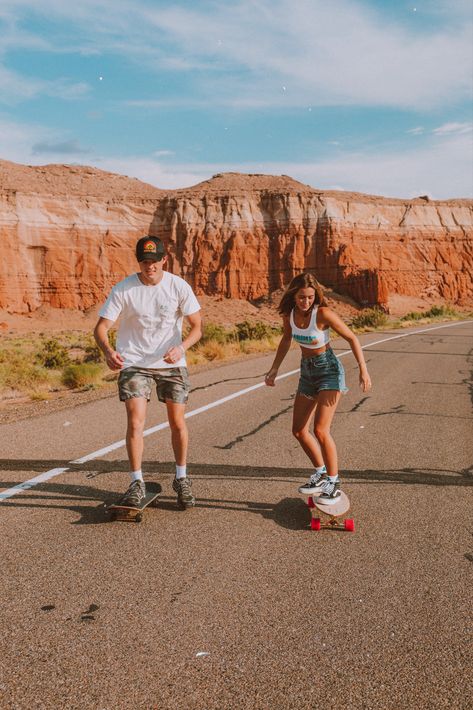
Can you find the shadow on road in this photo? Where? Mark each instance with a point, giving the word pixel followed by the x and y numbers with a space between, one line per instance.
pixel 289 513
pixel 94 469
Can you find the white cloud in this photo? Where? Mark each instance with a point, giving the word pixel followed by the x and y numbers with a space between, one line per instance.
pixel 24 143
pixel 450 128
pixel 15 87
pixel 70 147
pixel 441 170
pixel 338 53
pixel 418 131
pixel 328 54
pixel 16 139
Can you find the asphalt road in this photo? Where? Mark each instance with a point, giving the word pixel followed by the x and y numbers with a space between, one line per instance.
pixel 237 603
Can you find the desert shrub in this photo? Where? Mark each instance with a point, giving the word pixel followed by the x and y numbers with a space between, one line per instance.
pixel 20 373
pixel 92 350
pixel 249 330
pixel 81 375
pixel 434 312
pixel 92 353
pixel 52 355
pixel 370 318
pixel 217 333
pixel 258 346
pixel 39 396
pixel 217 351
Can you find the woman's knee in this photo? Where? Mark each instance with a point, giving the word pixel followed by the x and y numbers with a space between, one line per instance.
pixel 299 434
pixel 321 433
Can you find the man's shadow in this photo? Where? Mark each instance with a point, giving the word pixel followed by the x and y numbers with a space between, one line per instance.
pixel 289 513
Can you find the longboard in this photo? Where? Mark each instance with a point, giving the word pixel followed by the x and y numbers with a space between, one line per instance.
pixel 332 517
pixel 135 515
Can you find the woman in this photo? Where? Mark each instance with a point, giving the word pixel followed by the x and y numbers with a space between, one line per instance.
pixel 307 320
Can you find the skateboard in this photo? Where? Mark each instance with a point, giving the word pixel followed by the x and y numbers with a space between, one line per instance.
pixel 135 515
pixel 332 515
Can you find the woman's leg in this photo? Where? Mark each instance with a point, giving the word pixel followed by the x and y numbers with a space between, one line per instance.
pixel 303 410
pixel 327 401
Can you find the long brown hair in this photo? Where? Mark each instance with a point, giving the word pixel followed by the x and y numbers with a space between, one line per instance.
pixel 305 280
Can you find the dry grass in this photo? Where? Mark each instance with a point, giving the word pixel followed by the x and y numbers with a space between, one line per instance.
pixel 37 366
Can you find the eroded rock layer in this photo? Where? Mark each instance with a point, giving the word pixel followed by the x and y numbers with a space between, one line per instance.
pixel 67 235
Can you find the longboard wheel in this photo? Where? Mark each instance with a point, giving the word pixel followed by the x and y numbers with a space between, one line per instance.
pixel 113 516
pixel 315 524
pixel 350 524
pixel 310 502
pixel 138 518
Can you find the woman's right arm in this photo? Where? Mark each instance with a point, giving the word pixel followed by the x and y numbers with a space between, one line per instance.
pixel 281 352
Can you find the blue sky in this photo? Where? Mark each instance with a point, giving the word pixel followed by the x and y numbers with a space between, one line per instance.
pixel 364 95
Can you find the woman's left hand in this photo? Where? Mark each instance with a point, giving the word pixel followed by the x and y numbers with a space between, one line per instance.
pixel 365 381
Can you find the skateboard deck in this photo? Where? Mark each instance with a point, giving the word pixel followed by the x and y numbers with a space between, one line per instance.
pixel 135 515
pixel 330 516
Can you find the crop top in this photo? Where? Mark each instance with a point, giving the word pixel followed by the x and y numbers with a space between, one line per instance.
pixel 310 337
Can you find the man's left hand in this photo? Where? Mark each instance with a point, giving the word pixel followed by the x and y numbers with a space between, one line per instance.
pixel 174 354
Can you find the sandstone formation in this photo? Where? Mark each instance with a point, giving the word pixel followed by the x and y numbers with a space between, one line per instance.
pixel 67 234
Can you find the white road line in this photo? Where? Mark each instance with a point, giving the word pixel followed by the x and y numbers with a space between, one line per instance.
pixel 152 430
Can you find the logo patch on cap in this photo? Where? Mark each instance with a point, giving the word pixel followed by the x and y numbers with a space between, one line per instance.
pixel 149 247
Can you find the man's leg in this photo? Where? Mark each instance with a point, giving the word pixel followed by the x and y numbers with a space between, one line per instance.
pixel 136 416
pixel 179 433
pixel 180 439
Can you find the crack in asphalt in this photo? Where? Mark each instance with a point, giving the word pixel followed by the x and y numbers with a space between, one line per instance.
pixel 239 439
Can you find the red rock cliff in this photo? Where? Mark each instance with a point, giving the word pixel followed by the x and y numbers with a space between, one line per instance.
pixel 67 234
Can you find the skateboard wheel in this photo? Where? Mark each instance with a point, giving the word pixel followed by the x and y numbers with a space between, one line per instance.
pixel 310 502
pixel 350 524
pixel 138 519
pixel 113 516
pixel 315 523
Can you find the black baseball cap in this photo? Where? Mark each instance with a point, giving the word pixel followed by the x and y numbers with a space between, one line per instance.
pixel 150 249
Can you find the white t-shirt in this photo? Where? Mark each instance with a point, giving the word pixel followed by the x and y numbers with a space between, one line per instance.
pixel 150 318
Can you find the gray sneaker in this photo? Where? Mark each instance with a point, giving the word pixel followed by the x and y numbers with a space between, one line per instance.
pixel 182 486
pixel 330 492
pixel 134 495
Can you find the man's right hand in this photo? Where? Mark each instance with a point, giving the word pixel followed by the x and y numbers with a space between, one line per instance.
pixel 114 360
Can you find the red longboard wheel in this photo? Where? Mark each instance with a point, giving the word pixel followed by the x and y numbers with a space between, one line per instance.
pixel 315 523
pixel 350 524
pixel 310 502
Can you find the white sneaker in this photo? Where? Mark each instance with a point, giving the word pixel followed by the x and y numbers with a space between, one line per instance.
pixel 315 483
pixel 330 492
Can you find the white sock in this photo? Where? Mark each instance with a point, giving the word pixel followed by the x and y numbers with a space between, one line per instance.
pixel 136 476
pixel 333 479
pixel 320 469
pixel 181 471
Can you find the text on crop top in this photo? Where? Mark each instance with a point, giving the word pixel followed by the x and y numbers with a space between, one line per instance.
pixel 310 337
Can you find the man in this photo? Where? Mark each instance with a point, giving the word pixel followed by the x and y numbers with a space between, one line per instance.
pixel 151 305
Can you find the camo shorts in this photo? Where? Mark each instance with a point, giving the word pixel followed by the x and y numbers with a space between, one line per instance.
pixel 172 384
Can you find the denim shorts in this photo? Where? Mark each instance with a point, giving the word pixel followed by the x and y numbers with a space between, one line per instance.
pixel 321 372
pixel 172 384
